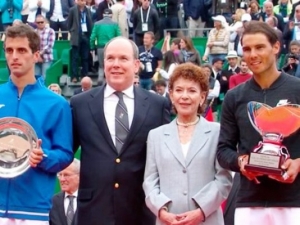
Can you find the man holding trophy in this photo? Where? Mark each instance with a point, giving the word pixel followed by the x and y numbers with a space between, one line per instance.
pixel 260 135
pixel 35 134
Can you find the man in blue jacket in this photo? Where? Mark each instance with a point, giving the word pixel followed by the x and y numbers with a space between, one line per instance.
pixel 26 199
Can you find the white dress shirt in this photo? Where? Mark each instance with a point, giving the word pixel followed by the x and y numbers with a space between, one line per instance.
pixel 67 201
pixel 110 104
pixel 233 69
pixel 57 12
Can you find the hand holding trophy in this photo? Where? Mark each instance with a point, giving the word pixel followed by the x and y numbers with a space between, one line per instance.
pixel 270 157
pixel 17 142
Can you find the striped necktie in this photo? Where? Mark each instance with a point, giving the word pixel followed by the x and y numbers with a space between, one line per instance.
pixel 121 122
pixel 70 209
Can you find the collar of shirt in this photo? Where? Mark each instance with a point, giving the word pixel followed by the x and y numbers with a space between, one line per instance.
pixel 109 91
pixel 233 69
pixel 215 72
pixel 74 194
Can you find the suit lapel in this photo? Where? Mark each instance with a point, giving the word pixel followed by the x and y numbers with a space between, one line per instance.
pixel 199 139
pixel 141 106
pixel 61 209
pixel 96 105
pixel 172 142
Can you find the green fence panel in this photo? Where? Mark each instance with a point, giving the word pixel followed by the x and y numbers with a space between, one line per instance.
pixel 4 75
pixel 60 46
pixel 53 73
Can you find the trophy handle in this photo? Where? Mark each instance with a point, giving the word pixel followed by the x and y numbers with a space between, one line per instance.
pixel 284 152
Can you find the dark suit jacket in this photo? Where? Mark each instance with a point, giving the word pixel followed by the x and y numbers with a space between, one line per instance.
pixel 110 189
pixel 100 10
pixel 224 83
pixel 74 24
pixel 293 10
pixel 57 213
pixel 77 91
pixel 280 24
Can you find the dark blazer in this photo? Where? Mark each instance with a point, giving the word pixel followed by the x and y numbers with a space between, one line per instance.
pixel 292 15
pixel 65 7
pixel 74 24
pixel 77 91
pixel 110 189
pixel 57 214
pixel 224 83
pixel 100 10
pixel 280 21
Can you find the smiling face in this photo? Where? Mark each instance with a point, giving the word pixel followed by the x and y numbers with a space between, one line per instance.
pixel 186 96
pixel 120 65
pixel 259 54
pixel 69 179
pixel 19 56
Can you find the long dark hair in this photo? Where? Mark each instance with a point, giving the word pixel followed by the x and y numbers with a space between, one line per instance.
pixel 169 59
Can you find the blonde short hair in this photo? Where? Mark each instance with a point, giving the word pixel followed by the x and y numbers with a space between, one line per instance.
pixel 55 86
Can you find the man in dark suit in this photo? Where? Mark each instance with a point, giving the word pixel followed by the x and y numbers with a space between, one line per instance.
pixel 233 68
pixel 64 204
pixel 268 12
pixel 111 123
pixel 292 15
pixel 80 26
pixel 86 84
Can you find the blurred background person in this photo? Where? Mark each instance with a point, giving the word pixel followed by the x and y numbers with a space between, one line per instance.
pixel 55 88
pixel 144 19
pixel 176 153
pixel 10 10
pixel 218 40
pixel 64 203
pixel 47 37
pixel 188 53
pixel 170 63
pixel 119 15
pixel 37 7
pixel 255 11
pixel 284 8
pixel 237 20
pixel 86 84
pixel 103 31
pixel 241 77
pixel 80 38
pixel 292 64
pixel 58 15
pixel 151 57
pixel 173 45
pixel 25 11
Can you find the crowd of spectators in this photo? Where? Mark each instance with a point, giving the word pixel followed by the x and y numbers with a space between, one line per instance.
pixel 90 26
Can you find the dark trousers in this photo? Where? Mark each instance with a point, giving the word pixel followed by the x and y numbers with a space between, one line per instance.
pixel 24 18
pixel 82 50
pixel 62 26
pixel 170 22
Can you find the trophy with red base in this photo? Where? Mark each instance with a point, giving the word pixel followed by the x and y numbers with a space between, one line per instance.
pixel 273 124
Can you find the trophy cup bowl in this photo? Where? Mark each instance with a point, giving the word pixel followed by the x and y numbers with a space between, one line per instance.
pixel 273 124
pixel 17 139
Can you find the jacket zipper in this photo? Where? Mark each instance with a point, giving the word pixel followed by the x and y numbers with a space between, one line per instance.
pixel 265 96
pixel 9 181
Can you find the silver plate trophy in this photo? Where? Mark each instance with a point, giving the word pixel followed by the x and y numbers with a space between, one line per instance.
pixel 17 139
